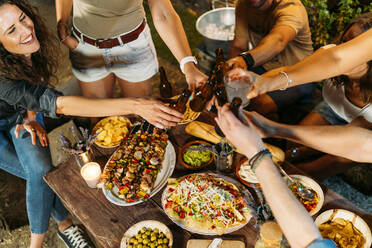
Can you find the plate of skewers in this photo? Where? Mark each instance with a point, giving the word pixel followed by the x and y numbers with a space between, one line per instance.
pixel 139 168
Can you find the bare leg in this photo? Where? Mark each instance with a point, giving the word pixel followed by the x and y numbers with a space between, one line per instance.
pixel 64 224
pixel 37 240
pixel 137 89
pixel 326 166
pixel 103 88
pixel 264 105
pixel 303 153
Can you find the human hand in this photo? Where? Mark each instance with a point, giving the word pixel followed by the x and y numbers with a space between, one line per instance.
pixel 237 62
pixel 194 77
pixel 158 114
pixel 71 42
pixel 34 129
pixel 242 136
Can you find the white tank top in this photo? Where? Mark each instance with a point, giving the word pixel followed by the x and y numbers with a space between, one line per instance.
pixel 336 99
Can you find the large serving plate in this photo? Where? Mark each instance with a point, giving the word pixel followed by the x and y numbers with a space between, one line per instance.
pixel 357 221
pixel 165 172
pixel 247 198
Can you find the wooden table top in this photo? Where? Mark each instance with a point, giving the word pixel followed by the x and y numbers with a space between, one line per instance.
pixel 107 222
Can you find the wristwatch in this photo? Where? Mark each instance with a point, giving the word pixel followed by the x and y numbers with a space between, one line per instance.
pixel 249 61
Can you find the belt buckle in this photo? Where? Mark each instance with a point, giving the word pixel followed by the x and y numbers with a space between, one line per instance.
pixel 97 42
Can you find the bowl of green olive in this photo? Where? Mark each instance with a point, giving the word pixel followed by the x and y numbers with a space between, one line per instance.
pixel 147 234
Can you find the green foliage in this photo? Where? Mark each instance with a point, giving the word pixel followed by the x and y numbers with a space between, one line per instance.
pixel 326 25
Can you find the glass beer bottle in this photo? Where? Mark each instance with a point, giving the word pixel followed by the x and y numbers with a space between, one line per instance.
pixel 203 95
pixel 165 87
pixel 234 108
pixel 180 105
pixel 219 87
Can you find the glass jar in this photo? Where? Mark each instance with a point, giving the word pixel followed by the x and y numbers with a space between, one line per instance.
pixel 271 236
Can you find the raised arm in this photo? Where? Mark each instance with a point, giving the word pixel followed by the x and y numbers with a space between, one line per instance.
pixel 321 65
pixel 270 46
pixel 296 223
pixel 352 141
pixel 169 26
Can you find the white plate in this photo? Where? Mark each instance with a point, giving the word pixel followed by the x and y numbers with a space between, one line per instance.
pixel 133 230
pixel 310 183
pixel 247 197
pixel 165 172
pixel 358 222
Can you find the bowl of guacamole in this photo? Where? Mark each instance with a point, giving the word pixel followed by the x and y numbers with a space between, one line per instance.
pixel 195 159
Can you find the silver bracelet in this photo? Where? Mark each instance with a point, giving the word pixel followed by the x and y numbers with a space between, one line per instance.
pixel 289 81
pixel 62 40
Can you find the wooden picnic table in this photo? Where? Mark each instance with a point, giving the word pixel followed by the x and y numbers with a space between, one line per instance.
pixel 107 222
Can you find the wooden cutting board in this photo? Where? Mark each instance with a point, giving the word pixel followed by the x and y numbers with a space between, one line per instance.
pixel 203 243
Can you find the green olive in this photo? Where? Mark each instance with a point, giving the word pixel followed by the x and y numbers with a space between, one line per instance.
pixel 147 232
pixel 165 241
pixel 153 238
pixel 139 240
pixel 156 230
pixel 138 236
pixel 146 241
pixel 130 246
pixel 160 241
pixel 140 246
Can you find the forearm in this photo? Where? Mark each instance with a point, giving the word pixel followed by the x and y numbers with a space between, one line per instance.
pixel 330 62
pixel 170 29
pixel 267 49
pixel 350 142
pixel 80 106
pixel 296 223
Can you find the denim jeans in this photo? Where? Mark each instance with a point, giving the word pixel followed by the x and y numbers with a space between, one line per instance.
pixel 30 162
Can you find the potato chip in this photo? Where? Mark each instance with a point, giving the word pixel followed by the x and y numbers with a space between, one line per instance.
pixel 111 130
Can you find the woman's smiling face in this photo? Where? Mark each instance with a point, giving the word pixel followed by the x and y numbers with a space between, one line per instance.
pixel 17 33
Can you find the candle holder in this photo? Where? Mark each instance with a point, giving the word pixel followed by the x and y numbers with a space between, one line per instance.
pixel 91 172
pixel 83 158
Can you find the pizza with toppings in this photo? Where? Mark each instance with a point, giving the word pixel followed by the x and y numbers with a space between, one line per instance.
pixel 206 202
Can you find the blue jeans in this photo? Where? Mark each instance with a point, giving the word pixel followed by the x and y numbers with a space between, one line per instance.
pixel 30 162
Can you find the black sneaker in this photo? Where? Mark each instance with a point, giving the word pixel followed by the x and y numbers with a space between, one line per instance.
pixel 73 238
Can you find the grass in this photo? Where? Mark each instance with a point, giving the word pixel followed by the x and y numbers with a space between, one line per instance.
pixel 188 20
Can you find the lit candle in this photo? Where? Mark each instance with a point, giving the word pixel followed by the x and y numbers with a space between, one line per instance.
pixel 91 173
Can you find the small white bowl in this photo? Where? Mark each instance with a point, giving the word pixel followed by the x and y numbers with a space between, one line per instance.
pixel 133 231
pixel 357 221
pixel 310 183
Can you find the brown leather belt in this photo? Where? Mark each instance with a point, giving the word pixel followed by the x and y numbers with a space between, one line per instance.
pixel 111 42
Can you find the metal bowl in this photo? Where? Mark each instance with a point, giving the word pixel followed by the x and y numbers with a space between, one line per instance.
pixel 221 17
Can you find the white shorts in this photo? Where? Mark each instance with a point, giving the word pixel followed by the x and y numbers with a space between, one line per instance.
pixel 135 61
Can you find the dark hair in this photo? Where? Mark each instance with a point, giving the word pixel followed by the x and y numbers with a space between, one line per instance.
pixel 44 61
pixel 364 21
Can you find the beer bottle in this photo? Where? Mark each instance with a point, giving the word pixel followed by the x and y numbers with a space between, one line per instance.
pixel 220 61
pixel 234 108
pixel 180 105
pixel 219 87
pixel 235 105
pixel 203 95
pixel 165 87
